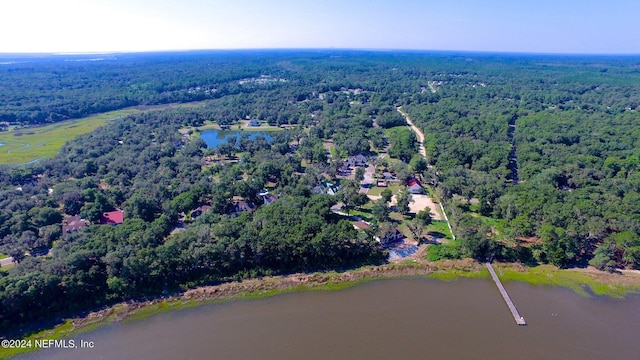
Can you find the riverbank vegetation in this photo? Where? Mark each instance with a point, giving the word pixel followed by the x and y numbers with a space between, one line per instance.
pixel 584 283
pixel 534 158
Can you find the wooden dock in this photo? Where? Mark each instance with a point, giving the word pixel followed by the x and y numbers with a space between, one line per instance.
pixel 519 319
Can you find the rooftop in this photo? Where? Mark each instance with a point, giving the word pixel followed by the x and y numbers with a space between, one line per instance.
pixel 112 217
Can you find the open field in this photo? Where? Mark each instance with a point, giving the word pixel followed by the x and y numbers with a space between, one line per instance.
pixel 42 142
pixel 19 146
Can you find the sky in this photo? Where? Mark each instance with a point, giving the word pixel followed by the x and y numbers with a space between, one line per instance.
pixel 530 26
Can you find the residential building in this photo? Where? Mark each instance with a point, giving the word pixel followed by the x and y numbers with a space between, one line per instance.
pixel 112 217
pixel 73 223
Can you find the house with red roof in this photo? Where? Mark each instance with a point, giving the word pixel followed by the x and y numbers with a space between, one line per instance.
pixel 414 186
pixel 112 217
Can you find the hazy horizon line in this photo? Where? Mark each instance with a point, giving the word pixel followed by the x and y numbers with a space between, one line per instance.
pixel 407 50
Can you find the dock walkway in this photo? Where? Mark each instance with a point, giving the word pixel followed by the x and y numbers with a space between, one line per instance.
pixel 519 319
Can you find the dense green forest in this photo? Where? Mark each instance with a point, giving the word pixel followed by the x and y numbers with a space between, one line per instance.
pixel 535 159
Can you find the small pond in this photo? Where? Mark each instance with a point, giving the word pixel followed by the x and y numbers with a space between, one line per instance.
pixel 214 138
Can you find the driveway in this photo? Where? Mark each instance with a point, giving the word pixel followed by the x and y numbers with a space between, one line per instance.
pixel 367 182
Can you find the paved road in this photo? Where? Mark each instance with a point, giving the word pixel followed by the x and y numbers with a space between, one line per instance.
pixel 6 261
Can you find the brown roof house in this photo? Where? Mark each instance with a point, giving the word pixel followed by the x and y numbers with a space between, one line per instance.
pixel 361 225
pixel 73 223
pixel 240 206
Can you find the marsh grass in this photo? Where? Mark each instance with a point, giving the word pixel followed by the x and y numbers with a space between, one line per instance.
pixel 43 142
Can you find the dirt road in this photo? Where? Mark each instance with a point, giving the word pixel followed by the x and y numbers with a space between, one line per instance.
pixel 420 137
pixel 418 132
pixel 6 261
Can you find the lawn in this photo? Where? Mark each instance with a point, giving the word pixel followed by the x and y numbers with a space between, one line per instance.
pixel 405 230
pixel 394 187
pixel 497 225
pixel 264 126
pixel 42 142
pixel 3 256
pixel 209 125
pixel 361 213
pixel 396 216
pixel 195 131
pixel 440 226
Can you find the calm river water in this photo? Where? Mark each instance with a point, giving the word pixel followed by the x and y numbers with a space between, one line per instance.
pixel 388 319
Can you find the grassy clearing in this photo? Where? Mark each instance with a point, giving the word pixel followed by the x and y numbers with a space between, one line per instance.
pixel 209 125
pixel 366 216
pixel 267 128
pixel 43 142
pixel 3 256
pixel 450 250
pixel 394 187
pixel 396 216
pixel 402 226
pixel 440 226
pixel 195 131
pixel 264 126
